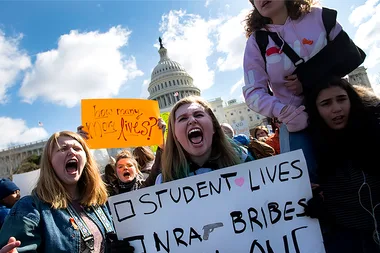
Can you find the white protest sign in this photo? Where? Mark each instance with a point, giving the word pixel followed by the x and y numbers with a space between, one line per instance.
pixel 255 207
pixel 26 181
pixel 241 128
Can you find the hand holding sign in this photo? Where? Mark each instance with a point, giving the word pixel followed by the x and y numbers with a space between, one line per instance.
pixel 82 133
pixel 111 123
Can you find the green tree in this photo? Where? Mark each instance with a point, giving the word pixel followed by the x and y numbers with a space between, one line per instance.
pixel 29 164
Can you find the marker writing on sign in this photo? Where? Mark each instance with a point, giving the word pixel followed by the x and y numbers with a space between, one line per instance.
pixel 136 128
pixel 179 236
pixel 100 128
pixel 268 215
pixel 282 172
pixel 256 244
pixel 106 112
pixel 185 194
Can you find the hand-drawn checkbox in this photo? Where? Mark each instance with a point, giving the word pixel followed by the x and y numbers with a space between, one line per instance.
pixel 139 247
pixel 124 210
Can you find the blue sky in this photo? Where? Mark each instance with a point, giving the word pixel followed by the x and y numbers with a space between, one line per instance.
pixel 54 53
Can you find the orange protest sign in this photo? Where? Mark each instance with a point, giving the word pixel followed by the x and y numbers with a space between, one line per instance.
pixel 114 123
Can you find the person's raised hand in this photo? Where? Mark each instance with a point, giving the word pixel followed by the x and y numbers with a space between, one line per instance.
pixel 295 118
pixel 161 125
pixel 82 133
pixel 294 85
pixel 11 246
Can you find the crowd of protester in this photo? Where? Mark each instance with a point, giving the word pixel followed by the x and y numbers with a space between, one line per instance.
pixel 309 104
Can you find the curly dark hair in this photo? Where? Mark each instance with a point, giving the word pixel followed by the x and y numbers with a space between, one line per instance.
pixel 255 21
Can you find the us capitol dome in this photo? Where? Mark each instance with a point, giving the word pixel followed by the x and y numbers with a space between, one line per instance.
pixel 170 82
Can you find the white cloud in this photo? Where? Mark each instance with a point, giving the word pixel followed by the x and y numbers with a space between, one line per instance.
pixel 376 89
pixel 187 38
pixel 231 42
pixel 362 12
pixel 367 35
pixel 144 89
pixel 85 65
pixel 17 132
pixel 374 79
pixel 208 3
pixel 12 61
pixel 238 84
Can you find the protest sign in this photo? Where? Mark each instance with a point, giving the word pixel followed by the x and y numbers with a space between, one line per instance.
pixel 26 181
pixel 241 128
pixel 114 123
pixel 255 207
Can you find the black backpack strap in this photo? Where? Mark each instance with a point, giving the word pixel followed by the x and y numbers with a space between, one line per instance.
pixel 293 56
pixel 329 20
pixel 262 41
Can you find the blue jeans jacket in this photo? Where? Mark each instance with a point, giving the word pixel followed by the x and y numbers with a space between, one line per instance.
pixel 43 229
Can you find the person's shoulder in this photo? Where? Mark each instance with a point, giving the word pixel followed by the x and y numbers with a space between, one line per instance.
pixel 26 201
pixel 315 14
pixel 27 207
pixel 243 155
pixel 316 9
pixel 2 207
pixel 3 212
pixel 159 179
pixel 252 38
pixel 113 188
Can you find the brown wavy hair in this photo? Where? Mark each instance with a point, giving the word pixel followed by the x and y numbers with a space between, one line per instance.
pixel 255 21
pixel 50 188
pixel 143 156
pixel 175 163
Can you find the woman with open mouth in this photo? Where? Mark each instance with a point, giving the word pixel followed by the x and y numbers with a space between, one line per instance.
pixel 346 131
pixel 195 142
pixel 66 211
pixel 128 175
pixel 150 164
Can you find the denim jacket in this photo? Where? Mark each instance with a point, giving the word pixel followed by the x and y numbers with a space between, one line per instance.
pixel 41 228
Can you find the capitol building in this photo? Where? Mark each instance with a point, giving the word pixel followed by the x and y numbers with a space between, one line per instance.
pixel 169 83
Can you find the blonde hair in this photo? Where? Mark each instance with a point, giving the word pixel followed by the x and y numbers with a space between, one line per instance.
pixel 50 188
pixel 125 154
pixel 175 164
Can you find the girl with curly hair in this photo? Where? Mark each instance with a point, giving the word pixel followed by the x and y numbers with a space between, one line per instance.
pixel 291 46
